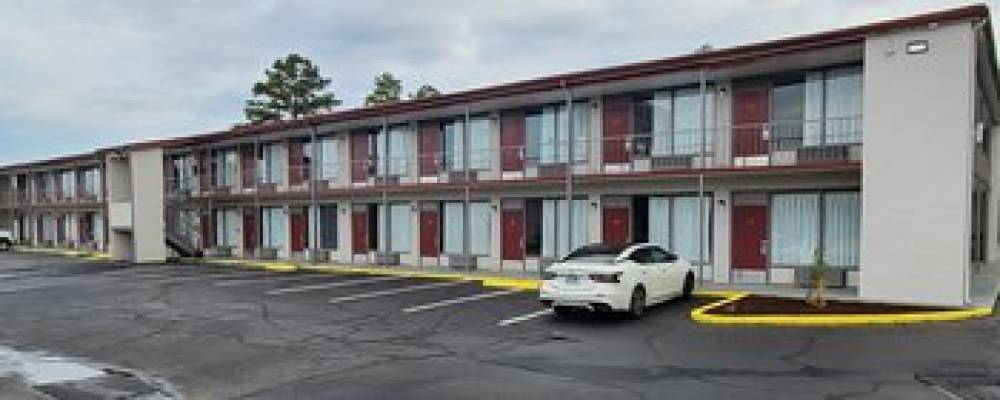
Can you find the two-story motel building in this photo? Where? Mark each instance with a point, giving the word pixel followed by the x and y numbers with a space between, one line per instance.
pixel 870 146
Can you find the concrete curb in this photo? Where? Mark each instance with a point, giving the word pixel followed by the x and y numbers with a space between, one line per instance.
pixel 701 315
pixel 87 255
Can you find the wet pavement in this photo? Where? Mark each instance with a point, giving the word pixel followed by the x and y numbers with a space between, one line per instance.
pixel 210 332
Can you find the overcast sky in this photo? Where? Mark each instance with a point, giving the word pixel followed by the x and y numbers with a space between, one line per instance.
pixel 76 75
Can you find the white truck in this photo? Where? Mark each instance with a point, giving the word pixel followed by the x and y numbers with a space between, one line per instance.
pixel 6 240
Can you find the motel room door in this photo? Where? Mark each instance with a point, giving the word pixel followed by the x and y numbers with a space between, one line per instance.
pixel 615 224
pixel 512 218
pixel 751 113
pixel 512 132
pixel 359 231
pixel 750 233
pixel 430 230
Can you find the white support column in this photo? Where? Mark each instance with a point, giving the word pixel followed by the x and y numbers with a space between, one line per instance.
pixel 721 236
pixel 146 167
pixel 596 223
pixel 495 259
pixel 343 253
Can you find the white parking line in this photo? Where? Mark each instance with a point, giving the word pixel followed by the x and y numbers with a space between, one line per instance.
pixel 389 292
pixel 265 279
pixel 5 276
pixel 525 317
pixel 296 289
pixel 458 300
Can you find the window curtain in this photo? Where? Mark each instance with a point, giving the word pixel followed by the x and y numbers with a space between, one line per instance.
pixel 687 120
pixel 480 227
pixel 479 143
pixel 533 136
pixel 662 109
pixel 659 221
pixel 453 137
pixel 68 184
pixel 400 227
pixel 812 129
pixel 273 165
pixel 686 230
pixel 329 158
pixel 557 241
pixel 400 145
pixel 220 228
pixel 549 135
pixel 581 132
pixel 794 228
pixel 842 229
pixel 274 227
pixel 453 218
pixel 843 105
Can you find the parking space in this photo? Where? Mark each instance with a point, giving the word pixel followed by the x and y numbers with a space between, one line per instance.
pixel 222 332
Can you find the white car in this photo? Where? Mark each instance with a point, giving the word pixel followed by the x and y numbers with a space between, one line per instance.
pixel 615 278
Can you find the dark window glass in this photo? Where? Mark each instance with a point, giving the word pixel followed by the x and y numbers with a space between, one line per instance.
pixel 373 228
pixel 642 256
pixel 533 135
pixel 328 226
pixel 533 227
pixel 787 110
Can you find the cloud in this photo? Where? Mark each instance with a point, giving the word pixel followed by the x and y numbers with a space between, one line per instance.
pixel 77 75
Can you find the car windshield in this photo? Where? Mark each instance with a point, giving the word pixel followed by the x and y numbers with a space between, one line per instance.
pixel 594 253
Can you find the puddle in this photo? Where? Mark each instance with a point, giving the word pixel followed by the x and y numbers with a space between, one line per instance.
pixel 41 369
pixel 67 378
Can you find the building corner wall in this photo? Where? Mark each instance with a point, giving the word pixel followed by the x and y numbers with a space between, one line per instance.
pixel 147 206
pixel 917 166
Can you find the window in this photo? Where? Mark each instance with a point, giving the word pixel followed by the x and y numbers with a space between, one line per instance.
pixel 596 253
pixel 480 143
pixel 183 172
pixel 227 225
pixel 68 181
pixel 225 168
pixel 842 229
pixel 480 228
pixel 454 148
pixel 556 239
pixel 328 226
pixel 274 226
pixel 658 255
pixel 400 228
pixel 832 106
pixel 271 163
pixel 642 255
pixel 547 135
pixel 92 181
pixel 787 113
pixel 329 158
pixel 533 227
pixel 398 154
pixel 794 228
pixel 673 225
pixel 672 119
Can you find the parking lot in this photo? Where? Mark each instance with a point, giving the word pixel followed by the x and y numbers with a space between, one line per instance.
pixel 221 332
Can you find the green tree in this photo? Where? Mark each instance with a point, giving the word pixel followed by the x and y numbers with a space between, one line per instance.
pixel 291 88
pixel 425 91
pixel 387 90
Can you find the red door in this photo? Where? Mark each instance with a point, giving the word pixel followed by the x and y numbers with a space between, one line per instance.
pixel 359 156
pixel 749 237
pixel 512 141
pixel 295 153
pixel 617 124
pixel 359 232
pixel 207 230
pixel 513 234
pixel 300 230
pixel 429 148
pixel 751 113
pixel 249 230
pixel 430 233
pixel 615 222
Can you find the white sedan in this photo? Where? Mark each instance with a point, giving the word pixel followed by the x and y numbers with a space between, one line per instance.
pixel 615 278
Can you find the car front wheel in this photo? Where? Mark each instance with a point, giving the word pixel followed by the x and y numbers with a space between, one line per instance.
pixel 637 305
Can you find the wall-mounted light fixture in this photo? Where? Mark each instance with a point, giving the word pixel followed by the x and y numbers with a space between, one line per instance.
pixel 593 204
pixel 917 46
pixel 722 202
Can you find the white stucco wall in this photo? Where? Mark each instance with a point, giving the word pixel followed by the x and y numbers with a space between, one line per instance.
pixel 147 206
pixel 918 127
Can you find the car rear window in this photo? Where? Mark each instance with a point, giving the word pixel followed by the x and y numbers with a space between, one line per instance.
pixel 594 253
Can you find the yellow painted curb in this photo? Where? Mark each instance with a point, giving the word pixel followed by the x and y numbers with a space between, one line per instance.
pixel 701 315
pixel 86 255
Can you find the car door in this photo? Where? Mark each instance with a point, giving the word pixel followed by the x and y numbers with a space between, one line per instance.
pixel 668 271
pixel 645 272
